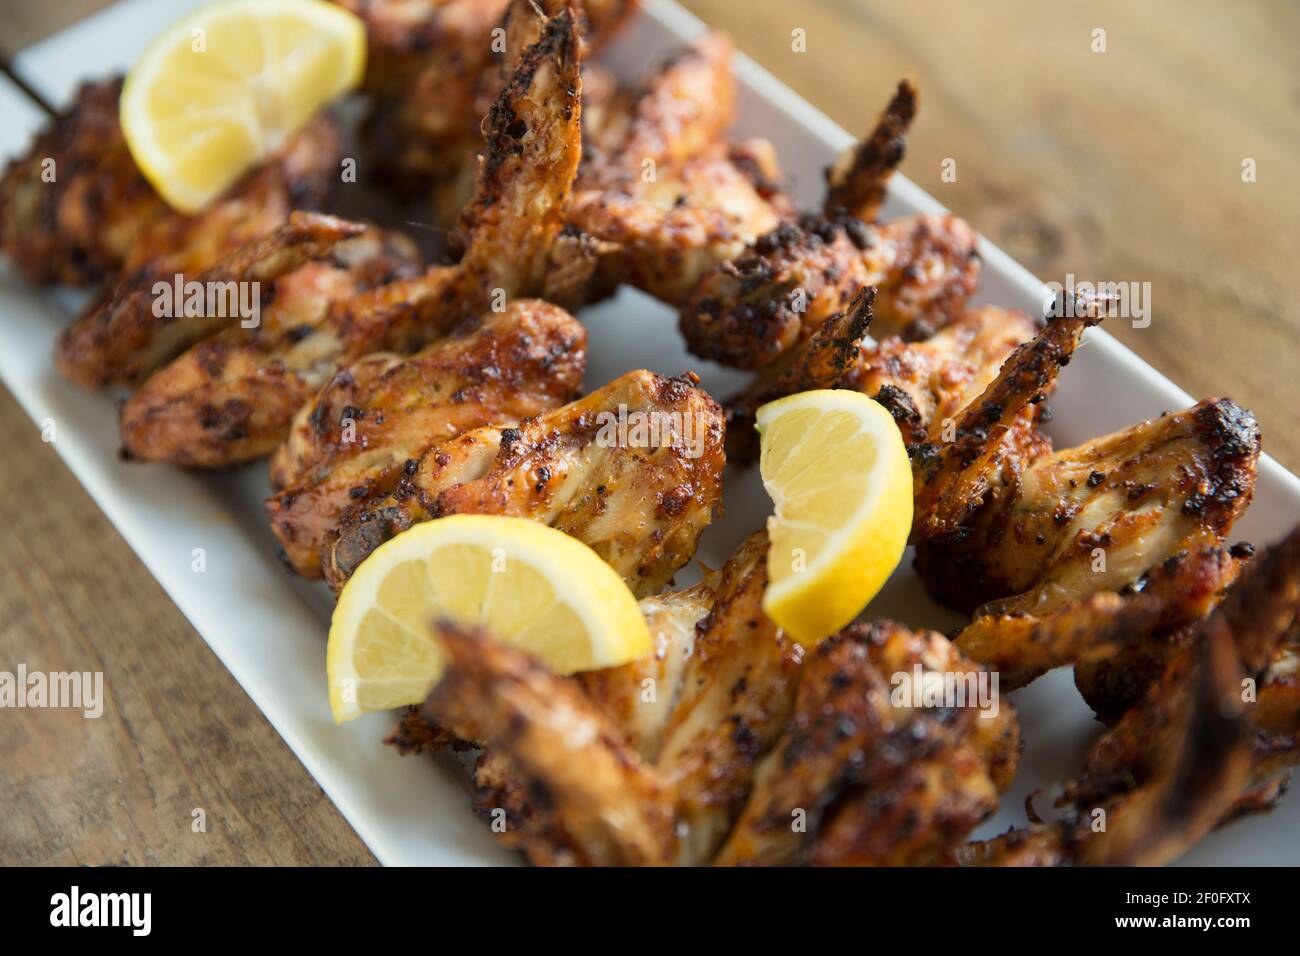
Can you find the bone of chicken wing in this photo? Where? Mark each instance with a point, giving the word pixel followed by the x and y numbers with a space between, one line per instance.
pixel 120 339
pixel 750 311
pixel 633 470
pixel 923 384
pixel 73 206
pixel 351 443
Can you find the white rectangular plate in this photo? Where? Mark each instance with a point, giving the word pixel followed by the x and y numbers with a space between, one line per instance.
pixel 269 628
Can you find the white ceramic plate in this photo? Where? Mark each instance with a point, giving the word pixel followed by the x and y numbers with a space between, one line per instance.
pixel 269 628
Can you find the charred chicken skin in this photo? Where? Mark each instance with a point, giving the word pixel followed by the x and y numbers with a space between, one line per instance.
pixel 120 339
pixel 74 205
pixel 924 385
pixel 634 470
pixel 353 441
pixel 1191 754
pixel 745 731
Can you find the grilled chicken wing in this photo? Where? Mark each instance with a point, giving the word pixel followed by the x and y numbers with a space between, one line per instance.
pixel 232 398
pixel 1182 783
pixel 722 734
pixel 73 206
pixel 601 804
pixel 1098 516
pixel 750 311
pixel 352 442
pixel 131 336
pixel 661 188
pixel 633 470
pixel 120 338
pixel 924 385
pixel 438 66
pixel 874 779
pixel 1189 755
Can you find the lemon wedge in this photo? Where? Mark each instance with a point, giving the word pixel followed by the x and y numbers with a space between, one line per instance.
pixel 836 468
pixel 224 87
pixel 527 584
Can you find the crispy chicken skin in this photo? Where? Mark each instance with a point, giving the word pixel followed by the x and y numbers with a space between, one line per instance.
pixel 437 67
pixel 748 312
pixel 1140 495
pixel 660 186
pixel 638 495
pixel 740 723
pixel 924 385
pixel 78 227
pixel 119 339
pixel 879 783
pixel 351 443
pixel 230 398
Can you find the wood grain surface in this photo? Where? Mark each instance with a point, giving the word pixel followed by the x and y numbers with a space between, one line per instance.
pixel 1123 165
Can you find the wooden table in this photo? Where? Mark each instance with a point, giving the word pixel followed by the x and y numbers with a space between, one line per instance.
pixel 1123 165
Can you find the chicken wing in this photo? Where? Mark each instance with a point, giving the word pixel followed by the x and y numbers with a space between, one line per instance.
pixel 1183 782
pixel 723 733
pixel 1095 517
pixel 73 206
pixel 601 804
pixel 232 398
pixel 351 443
pixel 120 338
pixel 750 311
pixel 924 385
pixel 437 66
pixel 865 776
pixel 634 470
pixel 229 398
pixel 1184 758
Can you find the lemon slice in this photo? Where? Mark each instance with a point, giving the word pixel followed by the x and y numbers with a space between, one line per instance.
pixel 527 584
pixel 224 87
pixel 835 466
